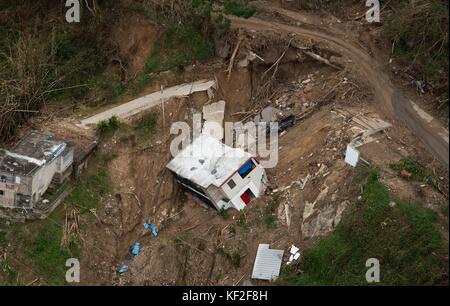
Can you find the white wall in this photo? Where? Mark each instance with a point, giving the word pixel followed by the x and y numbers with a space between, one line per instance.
pixel 43 177
pixel 253 181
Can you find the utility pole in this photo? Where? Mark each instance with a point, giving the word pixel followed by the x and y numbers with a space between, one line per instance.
pixel 162 105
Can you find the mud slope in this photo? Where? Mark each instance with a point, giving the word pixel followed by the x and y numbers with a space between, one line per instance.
pixel 390 99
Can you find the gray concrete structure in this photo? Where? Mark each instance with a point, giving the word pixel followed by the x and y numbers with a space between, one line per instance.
pixel 28 169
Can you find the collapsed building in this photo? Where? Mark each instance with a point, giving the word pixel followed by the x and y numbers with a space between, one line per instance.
pixel 28 169
pixel 221 176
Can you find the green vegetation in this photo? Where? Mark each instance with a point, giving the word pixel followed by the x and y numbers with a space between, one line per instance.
pixel 48 255
pixel 243 218
pixel 223 213
pixel 179 46
pixel 43 61
pixel 88 191
pixel 147 124
pixel 205 15
pixel 106 126
pixel 269 218
pixel 410 249
pixel 3 240
pixel 323 4
pixel 239 8
pixel 7 273
pixel 107 88
pixel 413 171
pixel 144 128
pixel 188 37
pixel 236 257
pixel 419 31
pixel 45 248
pixel 53 193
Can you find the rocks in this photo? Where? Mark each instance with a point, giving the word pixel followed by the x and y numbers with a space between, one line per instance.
pixel 324 220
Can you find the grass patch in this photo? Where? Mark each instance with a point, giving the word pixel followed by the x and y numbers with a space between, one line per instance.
pixel 7 273
pixel 45 248
pixel 236 257
pixel 48 255
pixel 53 193
pixel 413 171
pixel 139 83
pixel 239 8
pixel 105 127
pixel 243 218
pixel 146 127
pixel 3 240
pixel 269 218
pixel 107 157
pixel 107 88
pixel 88 191
pixel 410 249
pixel 147 124
pixel 223 213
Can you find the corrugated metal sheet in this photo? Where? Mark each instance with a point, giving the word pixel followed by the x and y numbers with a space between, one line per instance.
pixel 267 263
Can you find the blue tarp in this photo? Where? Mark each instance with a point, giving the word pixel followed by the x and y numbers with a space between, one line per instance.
pixel 152 227
pixel 154 232
pixel 245 168
pixel 123 268
pixel 136 248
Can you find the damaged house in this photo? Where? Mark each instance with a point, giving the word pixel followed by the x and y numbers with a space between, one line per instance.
pixel 28 169
pixel 219 175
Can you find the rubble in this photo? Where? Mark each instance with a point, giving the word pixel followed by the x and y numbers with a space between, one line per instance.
pixel 364 131
pixel 295 254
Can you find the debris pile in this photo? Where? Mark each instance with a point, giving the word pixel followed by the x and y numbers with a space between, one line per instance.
pixel 295 255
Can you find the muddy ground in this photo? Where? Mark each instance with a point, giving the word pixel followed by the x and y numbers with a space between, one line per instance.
pixel 197 246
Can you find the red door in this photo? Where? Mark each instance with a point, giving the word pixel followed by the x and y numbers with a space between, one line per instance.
pixel 245 198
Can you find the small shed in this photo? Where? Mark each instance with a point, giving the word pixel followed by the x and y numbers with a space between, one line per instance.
pixel 267 263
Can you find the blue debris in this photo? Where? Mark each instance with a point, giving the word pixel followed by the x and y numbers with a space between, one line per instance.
pixel 154 232
pixel 123 268
pixel 152 227
pixel 136 248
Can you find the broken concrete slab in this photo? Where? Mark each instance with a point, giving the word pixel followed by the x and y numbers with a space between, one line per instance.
pixel 352 156
pixel 213 114
pixel 214 111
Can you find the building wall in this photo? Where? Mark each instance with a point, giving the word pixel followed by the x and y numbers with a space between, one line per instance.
pixel 255 180
pixel 25 191
pixel 217 196
pixel 237 202
pixel 7 194
pixel 43 177
pixel 255 176
pixel 12 186
pixel 66 160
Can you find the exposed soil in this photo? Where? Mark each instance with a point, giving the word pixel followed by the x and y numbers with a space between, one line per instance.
pixel 197 246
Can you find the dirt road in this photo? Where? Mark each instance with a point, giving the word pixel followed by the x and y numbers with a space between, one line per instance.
pixel 391 102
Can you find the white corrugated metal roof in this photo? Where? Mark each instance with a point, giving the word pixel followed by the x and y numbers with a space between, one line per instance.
pixel 267 263
pixel 207 161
